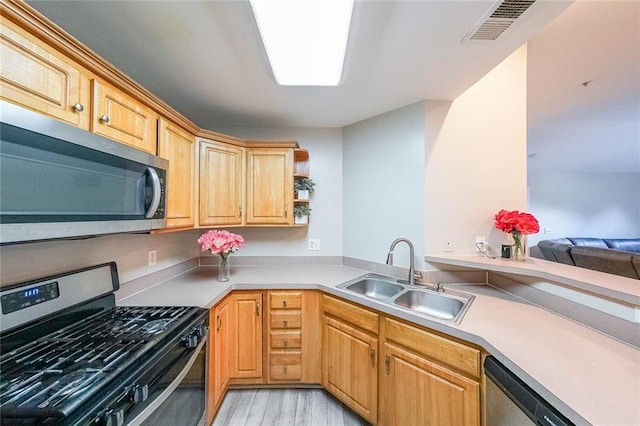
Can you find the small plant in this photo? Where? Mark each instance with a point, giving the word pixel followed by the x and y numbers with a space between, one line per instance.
pixel 304 184
pixel 300 210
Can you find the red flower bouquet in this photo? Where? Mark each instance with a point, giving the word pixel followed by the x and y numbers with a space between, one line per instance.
pixel 517 224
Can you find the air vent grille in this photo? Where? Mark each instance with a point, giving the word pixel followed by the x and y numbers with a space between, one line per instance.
pixel 512 9
pixel 498 20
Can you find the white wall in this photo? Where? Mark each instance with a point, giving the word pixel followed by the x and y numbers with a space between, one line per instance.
pixel 26 261
pixel 383 180
pixel 585 205
pixel 325 159
pixel 476 159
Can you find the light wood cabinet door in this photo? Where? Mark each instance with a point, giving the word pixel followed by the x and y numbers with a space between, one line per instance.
pixel 117 116
pixel 416 391
pixel 246 348
pixel 37 77
pixel 221 327
pixel 269 186
pixel 221 196
pixel 178 146
pixel 349 367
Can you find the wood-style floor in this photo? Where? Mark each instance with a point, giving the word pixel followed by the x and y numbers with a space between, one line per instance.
pixel 299 407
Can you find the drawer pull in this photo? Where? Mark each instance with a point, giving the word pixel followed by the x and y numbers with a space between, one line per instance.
pixel 285 343
pixel 284 368
pixel 286 323
pixel 78 107
pixel 284 303
pixel 104 118
pixel 387 364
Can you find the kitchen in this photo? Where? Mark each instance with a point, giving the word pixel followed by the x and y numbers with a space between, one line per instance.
pixel 337 219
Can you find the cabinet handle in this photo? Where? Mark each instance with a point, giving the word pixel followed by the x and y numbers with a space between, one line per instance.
pixel 284 303
pixel 78 107
pixel 258 309
pixel 104 118
pixel 240 212
pixel 372 354
pixel 286 343
pixel 286 213
pixel 285 322
pixel 218 322
pixel 387 364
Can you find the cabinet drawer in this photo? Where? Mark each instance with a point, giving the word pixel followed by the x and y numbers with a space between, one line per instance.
pixel 286 340
pixel 285 300
pixel 359 317
pixel 286 319
pixel 285 366
pixel 449 352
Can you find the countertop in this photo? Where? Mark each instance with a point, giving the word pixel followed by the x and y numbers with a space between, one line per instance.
pixel 589 377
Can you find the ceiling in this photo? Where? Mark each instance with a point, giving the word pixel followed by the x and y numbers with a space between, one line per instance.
pixel 206 59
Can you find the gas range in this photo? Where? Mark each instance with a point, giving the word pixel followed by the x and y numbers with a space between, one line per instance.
pixel 88 361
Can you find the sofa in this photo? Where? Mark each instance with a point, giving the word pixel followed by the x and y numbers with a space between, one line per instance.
pixel 619 256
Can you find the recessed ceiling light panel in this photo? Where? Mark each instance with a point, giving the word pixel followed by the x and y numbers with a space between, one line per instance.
pixel 305 40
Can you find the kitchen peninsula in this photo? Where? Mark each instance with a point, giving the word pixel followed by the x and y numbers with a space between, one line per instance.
pixel 557 357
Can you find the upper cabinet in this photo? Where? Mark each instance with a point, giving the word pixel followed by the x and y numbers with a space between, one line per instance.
pixel 221 184
pixel 178 146
pixel 39 78
pixel 122 118
pixel 269 186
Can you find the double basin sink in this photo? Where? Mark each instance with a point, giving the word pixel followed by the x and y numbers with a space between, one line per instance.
pixel 447 305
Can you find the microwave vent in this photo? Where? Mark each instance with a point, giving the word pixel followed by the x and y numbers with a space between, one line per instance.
pixel 497 20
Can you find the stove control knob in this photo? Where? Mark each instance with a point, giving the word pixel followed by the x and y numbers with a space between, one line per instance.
pixel 113 418
pixel 139 393
pixel 200 331
pixel 191 341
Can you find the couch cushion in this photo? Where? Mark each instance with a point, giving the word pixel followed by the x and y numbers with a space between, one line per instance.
pixel 605 260
pixel 625 244
pixel 589 242
pixel 636 263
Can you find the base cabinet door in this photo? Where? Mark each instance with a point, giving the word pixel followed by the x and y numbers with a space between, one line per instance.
pixel 349 367
pixel 221 334
pixel 416 391
pixel 245 346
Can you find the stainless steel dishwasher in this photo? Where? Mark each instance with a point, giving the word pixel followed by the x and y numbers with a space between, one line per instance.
pixel 510 402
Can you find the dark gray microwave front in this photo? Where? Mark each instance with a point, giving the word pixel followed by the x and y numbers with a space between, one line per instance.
pixel 61 182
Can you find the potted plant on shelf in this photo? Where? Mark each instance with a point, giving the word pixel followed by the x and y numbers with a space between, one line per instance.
pixel 303 187
pixel 301 214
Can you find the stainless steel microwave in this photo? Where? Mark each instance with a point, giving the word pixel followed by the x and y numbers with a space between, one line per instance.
pixel 59 181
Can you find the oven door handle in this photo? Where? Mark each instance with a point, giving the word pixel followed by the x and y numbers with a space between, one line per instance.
pixel 149 409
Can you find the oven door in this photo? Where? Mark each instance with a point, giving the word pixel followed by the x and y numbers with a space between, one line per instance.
pixel 178 396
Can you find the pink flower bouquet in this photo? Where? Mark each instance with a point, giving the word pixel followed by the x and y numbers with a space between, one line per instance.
pixel 221 242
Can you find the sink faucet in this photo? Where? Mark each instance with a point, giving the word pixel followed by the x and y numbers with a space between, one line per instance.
pixel 412 270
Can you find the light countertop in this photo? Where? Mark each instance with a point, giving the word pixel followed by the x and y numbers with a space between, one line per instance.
pixel 589 377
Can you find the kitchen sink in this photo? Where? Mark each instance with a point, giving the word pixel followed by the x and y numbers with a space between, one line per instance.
pixel 430 303
pixel 446 305
pixel 375 289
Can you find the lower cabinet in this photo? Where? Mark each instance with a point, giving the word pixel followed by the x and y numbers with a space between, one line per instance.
pixel 426 379
pixel 219 333
pixel 349 356
pixel 245 340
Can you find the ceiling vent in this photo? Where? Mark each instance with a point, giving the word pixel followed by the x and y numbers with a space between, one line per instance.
pixel 497 20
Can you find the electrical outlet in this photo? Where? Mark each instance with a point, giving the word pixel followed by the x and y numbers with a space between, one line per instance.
pixel 449 244
pixel 481 244
pixel 152 258
pixel 547 231
pixel 314 244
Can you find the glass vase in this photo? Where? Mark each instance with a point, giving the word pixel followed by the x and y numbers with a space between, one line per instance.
pixel 519 250
pixel 224 268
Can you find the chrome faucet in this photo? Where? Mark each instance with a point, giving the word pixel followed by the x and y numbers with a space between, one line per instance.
pixel 412 270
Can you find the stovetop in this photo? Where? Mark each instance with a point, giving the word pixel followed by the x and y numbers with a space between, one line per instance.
pixel 54 374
